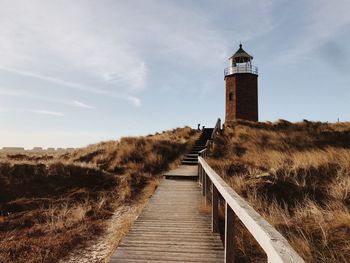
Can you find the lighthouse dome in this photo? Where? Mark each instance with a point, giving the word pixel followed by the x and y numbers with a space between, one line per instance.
pixel 241 56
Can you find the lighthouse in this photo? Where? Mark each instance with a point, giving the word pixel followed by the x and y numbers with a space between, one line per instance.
pixel 241 81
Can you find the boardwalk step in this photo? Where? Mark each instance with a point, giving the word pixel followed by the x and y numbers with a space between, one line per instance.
pixel 189 162
pixel 188 172
pixel 172 228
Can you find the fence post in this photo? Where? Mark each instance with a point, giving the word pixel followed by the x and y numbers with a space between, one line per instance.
pixel 204 181
pixel 214 210
pixel 199 173
pixel 202 176
pixel 207 189
pixel 229 234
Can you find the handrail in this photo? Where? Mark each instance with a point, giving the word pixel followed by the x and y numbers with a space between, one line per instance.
pixel 273 243
pixel 217 127
pixel 203 153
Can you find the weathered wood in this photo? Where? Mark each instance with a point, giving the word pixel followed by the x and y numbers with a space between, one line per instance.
pixel 229 235
pixel 215 210
pixel 273 243
pixel 199 175
pixel 202 153
pixel 172 228
pixel 207 189
pixel 203 181
pixel 183 172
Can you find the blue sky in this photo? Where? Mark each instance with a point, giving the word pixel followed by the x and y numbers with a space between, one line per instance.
pixel 77 72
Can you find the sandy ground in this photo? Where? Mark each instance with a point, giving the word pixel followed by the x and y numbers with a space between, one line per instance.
pixel 99 250
pixel 102 248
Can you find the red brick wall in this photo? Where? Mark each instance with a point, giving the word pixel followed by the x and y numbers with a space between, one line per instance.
pixel 244 103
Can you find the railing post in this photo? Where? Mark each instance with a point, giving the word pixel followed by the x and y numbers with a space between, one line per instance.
pixel 199 174
pixel 204 181
pixel 229 234
pixel 214 210
pixel 207 188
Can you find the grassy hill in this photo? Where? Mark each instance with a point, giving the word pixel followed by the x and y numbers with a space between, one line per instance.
pixel 51 204
pixel 297 176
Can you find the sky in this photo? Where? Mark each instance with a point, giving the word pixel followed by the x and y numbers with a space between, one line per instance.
pixel 77 72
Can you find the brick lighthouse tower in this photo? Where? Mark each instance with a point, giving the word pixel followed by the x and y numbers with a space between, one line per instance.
pixel 241 79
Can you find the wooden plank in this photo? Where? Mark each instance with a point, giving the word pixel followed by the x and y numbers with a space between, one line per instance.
pixel 215 210
pixel 172 228
pixel 207 189
pixel 183 172
pixel 229 235
pixel 204 184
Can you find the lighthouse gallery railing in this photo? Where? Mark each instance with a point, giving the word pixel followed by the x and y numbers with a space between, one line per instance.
pixel 241 69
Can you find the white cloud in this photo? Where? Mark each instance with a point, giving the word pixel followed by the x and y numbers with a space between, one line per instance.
pixel 110 93
pixel 66 37
pixel 36 111
pixel 46 112
pixel 81 104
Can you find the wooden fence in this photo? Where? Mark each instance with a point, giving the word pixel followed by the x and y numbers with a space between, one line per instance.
pixel 272 242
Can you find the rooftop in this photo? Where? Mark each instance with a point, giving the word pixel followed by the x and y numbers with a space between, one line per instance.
pixel 241 55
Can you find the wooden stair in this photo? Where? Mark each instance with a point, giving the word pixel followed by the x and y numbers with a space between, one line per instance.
pixel 192 157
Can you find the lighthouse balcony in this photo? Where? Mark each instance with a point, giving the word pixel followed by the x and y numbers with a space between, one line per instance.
pixel 241 69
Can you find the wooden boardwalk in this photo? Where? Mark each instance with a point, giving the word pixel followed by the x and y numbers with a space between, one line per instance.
pixel 183 172
pixel 172 228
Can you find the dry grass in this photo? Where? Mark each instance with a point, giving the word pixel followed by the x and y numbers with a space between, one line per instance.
pixel 51 204
pixel 297 176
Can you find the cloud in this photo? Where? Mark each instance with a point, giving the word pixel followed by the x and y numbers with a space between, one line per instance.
pixel 22 93
pixel 134 100
pixel 72 85
pixel 81 105
pixel 102 45
pixel 47 78
pixel 46 112
pixel 36 111
pixel 319 24
pixel 49 37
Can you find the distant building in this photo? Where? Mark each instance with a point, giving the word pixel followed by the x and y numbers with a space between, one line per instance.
pixel 241 80
pixel 13 149
pixel 37 149
pixel 34 150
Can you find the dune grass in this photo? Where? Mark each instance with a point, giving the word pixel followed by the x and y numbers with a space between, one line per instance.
pixel 297 176
pixel 51 204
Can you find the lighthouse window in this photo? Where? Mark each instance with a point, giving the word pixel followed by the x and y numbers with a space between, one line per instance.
pixel 230 96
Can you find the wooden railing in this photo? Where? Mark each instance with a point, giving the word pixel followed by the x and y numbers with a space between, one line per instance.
pixel 272 242
pixel 209 142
